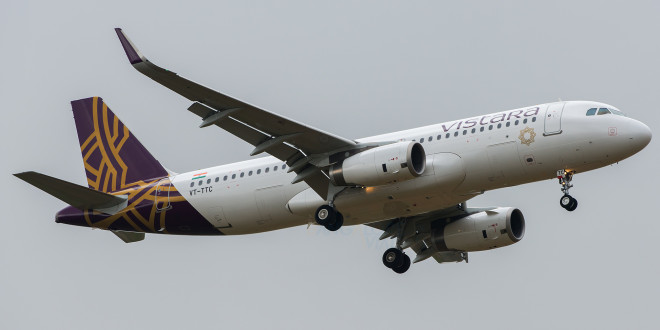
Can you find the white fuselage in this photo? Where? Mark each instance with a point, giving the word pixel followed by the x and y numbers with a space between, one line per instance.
pixel 464 158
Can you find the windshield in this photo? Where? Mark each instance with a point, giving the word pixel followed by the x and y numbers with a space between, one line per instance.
pixel 604 111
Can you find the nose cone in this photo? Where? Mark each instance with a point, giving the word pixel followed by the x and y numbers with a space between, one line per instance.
pixel 641 136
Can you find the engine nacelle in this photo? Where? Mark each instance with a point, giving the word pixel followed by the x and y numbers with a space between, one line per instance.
pixel 381 165
pixel 481 231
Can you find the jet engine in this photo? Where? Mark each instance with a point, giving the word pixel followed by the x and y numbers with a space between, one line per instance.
pixel 481 231
pixel 381 165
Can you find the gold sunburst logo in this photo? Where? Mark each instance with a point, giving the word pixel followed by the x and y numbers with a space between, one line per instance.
pixel 527 136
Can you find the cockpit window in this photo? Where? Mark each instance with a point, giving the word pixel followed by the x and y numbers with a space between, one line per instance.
pixel 617 112
pixel 604 111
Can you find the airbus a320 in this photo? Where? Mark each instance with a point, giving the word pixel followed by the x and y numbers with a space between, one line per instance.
pixel 412 184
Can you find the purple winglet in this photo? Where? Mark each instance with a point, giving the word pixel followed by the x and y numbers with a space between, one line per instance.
pixel 131 52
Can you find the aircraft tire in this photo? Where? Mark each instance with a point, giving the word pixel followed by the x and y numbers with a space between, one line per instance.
pixel 393 258
pixel 573 205
pixel 335 225
pixel 566 201
pixel 404 267
pixel 325 215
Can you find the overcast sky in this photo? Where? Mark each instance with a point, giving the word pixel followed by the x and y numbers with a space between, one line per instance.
pixel 355 69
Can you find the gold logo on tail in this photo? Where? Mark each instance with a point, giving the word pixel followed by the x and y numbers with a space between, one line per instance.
pixel 527 136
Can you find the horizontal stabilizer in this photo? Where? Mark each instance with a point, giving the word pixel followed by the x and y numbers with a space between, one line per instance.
pixel 129 237
pixel 80 197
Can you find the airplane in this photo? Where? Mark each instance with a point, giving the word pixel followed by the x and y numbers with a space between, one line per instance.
pixel 411 184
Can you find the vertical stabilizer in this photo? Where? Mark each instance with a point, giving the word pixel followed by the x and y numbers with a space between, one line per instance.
pixel 114 159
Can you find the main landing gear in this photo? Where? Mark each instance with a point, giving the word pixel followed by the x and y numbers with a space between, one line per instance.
pixel 395 259
pixel 567 201
pixel 329 217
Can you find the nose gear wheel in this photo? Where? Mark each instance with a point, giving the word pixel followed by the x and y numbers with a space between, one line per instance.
pixel 568 202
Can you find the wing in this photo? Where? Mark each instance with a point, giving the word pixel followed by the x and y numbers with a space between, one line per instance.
pixel 305 149
pixel 415 232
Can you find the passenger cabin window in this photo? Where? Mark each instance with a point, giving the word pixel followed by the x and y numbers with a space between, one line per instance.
pixel 421 140
pixel 250 173
pixel 259 171
pixel 192 184
pixel 438 137
pixel 233 176
pixel 447 136
pixel 430 138
pixel 225 178
pixel 217 179
pixel 591 112
pixel 603 111
pixel 242 174
pixel 266 170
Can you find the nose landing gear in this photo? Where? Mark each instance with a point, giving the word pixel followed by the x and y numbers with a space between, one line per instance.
pixel 567 201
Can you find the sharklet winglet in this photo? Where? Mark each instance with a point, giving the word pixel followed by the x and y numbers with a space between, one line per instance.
pixel 133 54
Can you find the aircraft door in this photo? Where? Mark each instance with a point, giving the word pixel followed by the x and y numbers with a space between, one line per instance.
pixel 553 118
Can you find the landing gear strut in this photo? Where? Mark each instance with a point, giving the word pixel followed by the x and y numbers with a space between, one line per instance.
pixel 329 217
pixel 567 201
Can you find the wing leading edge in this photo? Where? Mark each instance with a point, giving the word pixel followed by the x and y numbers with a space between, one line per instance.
pixel 305 149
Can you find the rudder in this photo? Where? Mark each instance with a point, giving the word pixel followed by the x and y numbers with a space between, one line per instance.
pixel 114 159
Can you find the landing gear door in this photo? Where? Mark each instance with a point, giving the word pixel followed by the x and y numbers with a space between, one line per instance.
pixel 553 118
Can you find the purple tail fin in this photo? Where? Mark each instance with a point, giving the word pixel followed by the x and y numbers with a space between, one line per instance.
pixel 114 159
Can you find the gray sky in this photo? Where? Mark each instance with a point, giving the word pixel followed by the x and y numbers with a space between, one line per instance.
pixel 355 69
